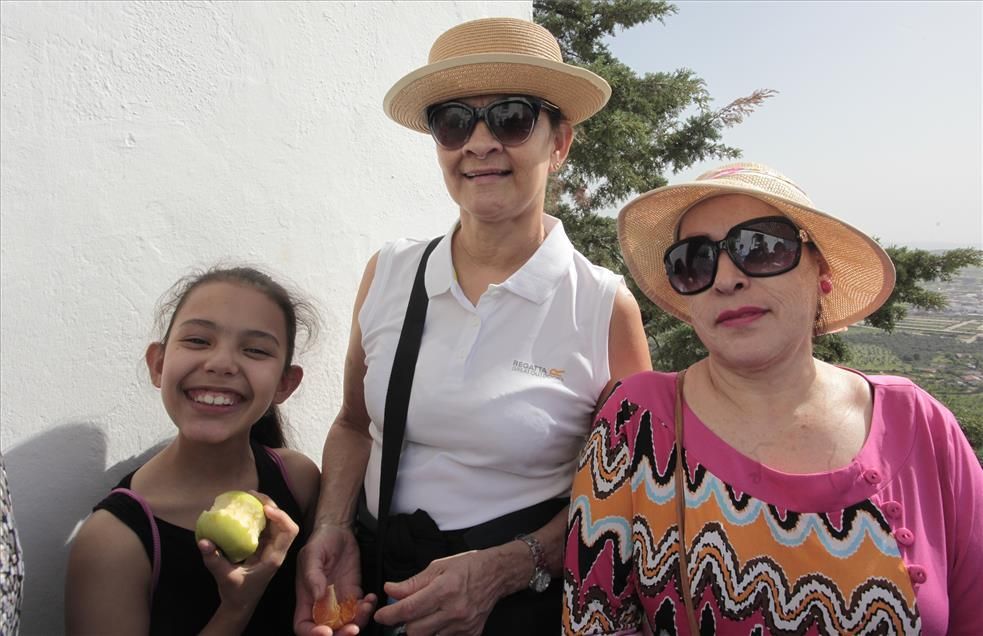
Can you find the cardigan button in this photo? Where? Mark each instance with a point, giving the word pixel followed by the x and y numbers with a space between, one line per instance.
pixel 904 536
pixel 892 509
pixel 917 574
pixel 872 476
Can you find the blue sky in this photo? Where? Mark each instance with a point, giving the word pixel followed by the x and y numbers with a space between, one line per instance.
pixel 879 110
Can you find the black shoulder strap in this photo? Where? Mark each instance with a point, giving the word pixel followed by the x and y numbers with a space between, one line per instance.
pixel 398 396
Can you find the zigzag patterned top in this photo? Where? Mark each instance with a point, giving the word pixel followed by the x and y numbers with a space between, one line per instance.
pixel 872 548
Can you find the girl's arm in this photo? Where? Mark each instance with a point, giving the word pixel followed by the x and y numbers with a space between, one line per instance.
pixel 107 589
pixel 241 586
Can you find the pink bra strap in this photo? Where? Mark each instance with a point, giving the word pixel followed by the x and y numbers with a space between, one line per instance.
pixel 155 560
pixel 283 471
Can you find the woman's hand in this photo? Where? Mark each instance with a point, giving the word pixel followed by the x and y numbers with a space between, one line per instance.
pixel 330 556
pixel 451 596
pixel 240 586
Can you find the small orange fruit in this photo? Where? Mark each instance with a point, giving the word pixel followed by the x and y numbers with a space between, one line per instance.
pixel 327 610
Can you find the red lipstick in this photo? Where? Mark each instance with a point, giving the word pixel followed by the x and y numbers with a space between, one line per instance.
pixel 741 316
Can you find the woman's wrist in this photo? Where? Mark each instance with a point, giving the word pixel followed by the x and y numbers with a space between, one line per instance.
pixel 328 529
pixel 515 567
pixel 333 524
pixel 336 516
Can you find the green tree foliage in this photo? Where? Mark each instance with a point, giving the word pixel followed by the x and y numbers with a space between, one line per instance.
pixel 661 123
pixel 655 124
pixel 914 267
pixel 943 366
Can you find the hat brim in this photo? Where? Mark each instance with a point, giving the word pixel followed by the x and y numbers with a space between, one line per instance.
pixel 577 92
pixel 863 274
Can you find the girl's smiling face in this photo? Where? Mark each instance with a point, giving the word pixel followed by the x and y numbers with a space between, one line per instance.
pixel 224 362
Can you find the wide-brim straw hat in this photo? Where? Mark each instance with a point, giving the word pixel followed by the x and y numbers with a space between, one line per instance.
pixel 496 56
pixel 861 271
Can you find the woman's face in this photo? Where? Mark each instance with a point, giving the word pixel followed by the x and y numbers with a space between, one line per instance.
pixel 493 182
pixel 745 321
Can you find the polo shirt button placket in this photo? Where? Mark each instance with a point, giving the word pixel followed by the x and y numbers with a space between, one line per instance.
pixel 467 344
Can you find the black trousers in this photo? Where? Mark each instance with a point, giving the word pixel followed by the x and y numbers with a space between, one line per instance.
pixel 413 541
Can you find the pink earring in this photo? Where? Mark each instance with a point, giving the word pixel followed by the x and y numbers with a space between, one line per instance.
pixel 826 285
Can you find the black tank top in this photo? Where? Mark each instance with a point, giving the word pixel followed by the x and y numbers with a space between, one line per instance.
pixel 187 595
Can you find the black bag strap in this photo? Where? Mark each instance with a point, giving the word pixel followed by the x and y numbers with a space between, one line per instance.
pixel 398 399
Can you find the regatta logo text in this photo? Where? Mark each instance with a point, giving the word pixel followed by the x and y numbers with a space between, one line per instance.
pixel 536 370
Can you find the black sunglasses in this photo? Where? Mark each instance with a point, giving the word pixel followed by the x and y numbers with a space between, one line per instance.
pixel 767 246
pixel 510 120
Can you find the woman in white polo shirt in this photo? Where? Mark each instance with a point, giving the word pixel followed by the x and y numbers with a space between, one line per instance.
pixel 522 337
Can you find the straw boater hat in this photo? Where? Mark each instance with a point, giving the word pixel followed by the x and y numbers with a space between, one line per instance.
pixel 862 273
pixel 496 56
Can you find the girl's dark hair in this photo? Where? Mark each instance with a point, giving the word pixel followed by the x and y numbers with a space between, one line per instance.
pixel 298 315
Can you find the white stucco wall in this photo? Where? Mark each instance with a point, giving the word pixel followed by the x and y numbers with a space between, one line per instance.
pixel 140 139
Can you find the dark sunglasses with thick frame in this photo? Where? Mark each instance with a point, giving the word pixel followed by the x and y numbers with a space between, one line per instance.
pixel 510 120
pixel 766 246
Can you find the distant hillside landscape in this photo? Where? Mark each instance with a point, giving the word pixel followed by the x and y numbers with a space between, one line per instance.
pixel 941 351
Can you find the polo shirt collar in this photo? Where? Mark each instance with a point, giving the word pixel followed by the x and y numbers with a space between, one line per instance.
pixel 534 281
pixel 440 267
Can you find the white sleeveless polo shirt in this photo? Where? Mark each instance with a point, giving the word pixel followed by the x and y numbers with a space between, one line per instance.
pixel 503 391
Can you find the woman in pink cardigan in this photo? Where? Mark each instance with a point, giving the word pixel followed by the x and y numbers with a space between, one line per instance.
pixel 762 490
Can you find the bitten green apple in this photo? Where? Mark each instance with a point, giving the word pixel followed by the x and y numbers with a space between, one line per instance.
pixel 233 523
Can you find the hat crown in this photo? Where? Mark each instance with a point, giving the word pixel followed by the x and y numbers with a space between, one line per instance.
pixel 496 56
pixel 759 177
pixel 862 271
pixel 496 35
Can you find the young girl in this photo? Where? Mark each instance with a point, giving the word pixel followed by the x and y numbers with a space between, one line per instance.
pixel 222 366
